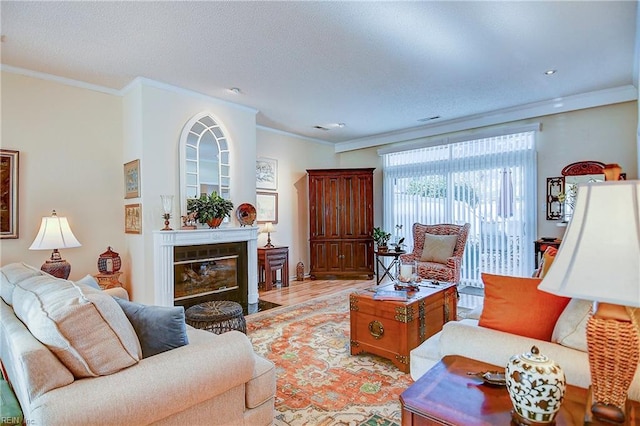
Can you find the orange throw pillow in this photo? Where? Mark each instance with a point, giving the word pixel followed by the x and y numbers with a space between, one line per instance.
pixel 515 305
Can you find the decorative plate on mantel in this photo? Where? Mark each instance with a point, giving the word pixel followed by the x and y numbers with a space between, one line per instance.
pixel 246 214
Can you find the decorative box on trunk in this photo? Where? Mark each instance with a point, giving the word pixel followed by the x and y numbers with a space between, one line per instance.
pixel 391 329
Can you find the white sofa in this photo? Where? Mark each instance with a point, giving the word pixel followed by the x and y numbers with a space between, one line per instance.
pixel 213 380
pixel 468 339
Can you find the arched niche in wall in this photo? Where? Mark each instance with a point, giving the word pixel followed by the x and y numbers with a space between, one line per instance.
pixel 204 159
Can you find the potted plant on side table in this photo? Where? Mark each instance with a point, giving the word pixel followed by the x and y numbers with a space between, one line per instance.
pixel 210 209
pixel 381 238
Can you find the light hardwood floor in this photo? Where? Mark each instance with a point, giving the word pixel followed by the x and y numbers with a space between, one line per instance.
pixel 303 291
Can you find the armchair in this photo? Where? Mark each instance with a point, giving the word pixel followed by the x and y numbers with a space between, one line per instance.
pixel 449 270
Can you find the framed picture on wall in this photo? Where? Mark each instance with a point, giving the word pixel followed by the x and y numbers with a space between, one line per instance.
pixel 266 173
pixel 267 207
pixel 133 218
pixel 9 162
pixel 132 179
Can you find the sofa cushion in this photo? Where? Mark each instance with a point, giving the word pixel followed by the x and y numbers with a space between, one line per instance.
pixel 159 328
pixel 515 305
pixel 571 327
pixel 11 274
pixel 84 327
pixel 438 248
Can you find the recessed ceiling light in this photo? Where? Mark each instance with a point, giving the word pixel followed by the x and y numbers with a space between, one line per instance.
pixel 234 90
pixel 341 125
pixel 550 72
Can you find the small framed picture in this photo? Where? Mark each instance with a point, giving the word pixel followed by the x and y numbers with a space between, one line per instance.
pixel 267 207
pixel 266 173
pixel 133 218
pixel 9 162
pixel 132 179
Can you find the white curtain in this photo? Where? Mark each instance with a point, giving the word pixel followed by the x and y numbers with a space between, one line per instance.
pixel 489 183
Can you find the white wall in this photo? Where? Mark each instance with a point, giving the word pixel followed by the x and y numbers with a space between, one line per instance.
pixel 295 156
pixel 70 143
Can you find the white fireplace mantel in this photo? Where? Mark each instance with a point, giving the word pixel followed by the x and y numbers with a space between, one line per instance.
pixel 165 241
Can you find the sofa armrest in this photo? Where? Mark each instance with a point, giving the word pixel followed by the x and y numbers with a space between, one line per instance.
pixel 117 292
pixel 495 347
pixel 156 387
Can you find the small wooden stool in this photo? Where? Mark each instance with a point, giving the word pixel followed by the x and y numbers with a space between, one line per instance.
pixel 218 316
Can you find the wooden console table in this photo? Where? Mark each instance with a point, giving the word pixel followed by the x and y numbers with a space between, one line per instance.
pixel 446 395
pixel 270 260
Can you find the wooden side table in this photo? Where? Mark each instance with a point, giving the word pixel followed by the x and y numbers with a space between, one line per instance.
pixel 541 246
pixel 270 260
pixel 106 281
pixel 447 395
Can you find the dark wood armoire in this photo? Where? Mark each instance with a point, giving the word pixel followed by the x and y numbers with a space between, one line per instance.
pixel 341 222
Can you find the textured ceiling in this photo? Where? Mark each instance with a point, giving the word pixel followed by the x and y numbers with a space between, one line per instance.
pixel 378 67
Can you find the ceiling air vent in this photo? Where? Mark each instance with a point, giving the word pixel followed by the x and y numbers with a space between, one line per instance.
pixel 435 117
pixel 321 128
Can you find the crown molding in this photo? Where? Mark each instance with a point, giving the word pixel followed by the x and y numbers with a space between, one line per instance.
pixel 521 112
pixel 58 79
pixel 293 135
pixel 143 81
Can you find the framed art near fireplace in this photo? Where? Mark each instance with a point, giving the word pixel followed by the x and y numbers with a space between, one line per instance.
pixel 9 161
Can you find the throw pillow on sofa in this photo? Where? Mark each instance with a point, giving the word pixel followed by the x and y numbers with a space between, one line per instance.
pixel 84 327
pixel 515 305
pixel 438 248
pixel 571 328
pixel 159 328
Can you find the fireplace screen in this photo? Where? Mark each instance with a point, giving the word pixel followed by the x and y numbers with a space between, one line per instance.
pixel 195 278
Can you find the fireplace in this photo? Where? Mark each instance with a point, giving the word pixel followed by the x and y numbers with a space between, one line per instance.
pixel 193 266
pixel 210 272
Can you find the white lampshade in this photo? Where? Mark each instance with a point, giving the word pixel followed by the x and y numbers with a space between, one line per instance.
pixel 54 233
pixel 599 258
pixel 268 227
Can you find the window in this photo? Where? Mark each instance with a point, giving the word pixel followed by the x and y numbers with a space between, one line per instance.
pixel 489 183
pixel 204 159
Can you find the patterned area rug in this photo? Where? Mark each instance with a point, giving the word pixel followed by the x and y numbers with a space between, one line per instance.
pixel 318 381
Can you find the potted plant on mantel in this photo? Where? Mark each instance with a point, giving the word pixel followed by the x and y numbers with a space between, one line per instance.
pixel 381 238
pixel 210 209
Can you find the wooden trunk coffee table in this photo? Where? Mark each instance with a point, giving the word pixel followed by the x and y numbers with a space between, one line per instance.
pixel 447 395
pixel 392 329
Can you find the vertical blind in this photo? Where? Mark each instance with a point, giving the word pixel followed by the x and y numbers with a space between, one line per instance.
pixel 489 183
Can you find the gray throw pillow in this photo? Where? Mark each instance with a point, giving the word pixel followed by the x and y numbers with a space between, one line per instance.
pixel 90 281
pixel 159 328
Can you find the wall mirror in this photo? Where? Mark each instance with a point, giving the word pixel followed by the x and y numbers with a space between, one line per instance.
pixel 577 173
pixel 204 160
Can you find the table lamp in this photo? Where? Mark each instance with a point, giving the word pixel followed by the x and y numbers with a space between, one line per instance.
pixel 268 228
pixel 55 233
pixel 599 260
